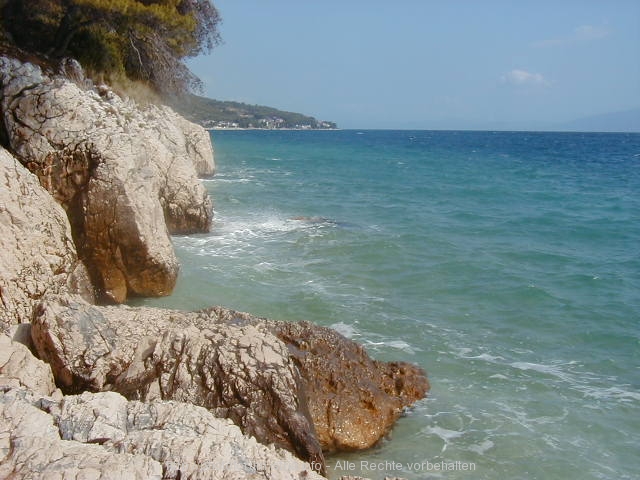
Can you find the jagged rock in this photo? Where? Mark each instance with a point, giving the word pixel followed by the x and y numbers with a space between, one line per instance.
pixel 126 176
pixel 37 254
pixel 232 363
pixel 186 439
pixel 189 144
pixel 19 368
pixel 198 144
pixel 238 371
pixel 353 400
pixel 31 447
pixel 105 436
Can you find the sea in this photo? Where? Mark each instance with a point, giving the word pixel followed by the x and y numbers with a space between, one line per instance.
pixel 506 264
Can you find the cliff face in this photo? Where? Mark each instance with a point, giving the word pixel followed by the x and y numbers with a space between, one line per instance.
pixel 126 176
pixel 92 189
pixel 38 254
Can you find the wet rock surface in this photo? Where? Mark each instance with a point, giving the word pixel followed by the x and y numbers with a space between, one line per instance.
pixel 353 400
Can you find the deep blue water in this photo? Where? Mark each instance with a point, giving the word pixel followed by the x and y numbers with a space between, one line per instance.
pixel 506 264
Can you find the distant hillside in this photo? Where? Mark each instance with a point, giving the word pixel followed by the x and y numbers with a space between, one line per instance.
pixel 627 121
pixel 218 114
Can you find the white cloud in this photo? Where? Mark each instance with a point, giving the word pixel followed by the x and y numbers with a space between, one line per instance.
pixel 581 34
pixel 524 78
pixel 589 32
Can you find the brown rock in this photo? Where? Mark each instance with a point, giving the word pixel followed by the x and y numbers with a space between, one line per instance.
pixel 236 370
pixel 232 363
pixel 353 400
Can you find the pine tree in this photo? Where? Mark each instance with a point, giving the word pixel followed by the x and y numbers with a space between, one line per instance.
pixel 145 40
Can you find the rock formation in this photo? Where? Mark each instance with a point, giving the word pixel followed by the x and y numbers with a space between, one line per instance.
pixel 281 391
pixel 125 175
pixel 20 369
pixel 39 255
pixel 45 435
pixel 353 400
pixel 105 436
pixel 237 371
pixel 105 183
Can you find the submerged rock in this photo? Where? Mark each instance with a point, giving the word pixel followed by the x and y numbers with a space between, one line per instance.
pixel 126 176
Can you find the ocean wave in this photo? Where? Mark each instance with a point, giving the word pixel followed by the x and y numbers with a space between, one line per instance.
pixel 396 344
pixel 482 447
pixel 347 330
pixel 611 393
pixel 552 370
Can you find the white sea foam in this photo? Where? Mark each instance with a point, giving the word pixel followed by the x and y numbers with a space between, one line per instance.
pixel 486 357
pixel 446 435
pixel 611 393
pixel 553 370
pixel 482 447
pixel 230 180
pixel 398 344
pixel 345 329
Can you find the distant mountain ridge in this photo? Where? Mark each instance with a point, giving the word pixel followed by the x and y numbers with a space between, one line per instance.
pixel 212 113
pixel 624 121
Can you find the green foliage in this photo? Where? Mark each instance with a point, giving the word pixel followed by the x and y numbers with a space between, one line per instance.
pixel 211 113
pixel 145 39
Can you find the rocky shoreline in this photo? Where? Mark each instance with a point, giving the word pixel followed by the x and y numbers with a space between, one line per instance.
pixel 92 186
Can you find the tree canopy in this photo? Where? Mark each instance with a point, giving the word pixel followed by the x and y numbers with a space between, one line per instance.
pixel 145 40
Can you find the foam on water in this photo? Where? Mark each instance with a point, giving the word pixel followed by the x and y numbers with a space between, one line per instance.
pixel 506 264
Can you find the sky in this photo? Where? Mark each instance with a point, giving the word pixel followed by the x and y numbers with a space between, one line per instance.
pixel 447 64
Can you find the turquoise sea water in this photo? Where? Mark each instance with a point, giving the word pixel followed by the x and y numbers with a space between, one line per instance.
pixel 506 264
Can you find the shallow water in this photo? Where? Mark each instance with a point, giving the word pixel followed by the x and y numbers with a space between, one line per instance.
pixel 507 264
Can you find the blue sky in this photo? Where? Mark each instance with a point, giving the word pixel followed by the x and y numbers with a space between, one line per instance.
pixel 429 64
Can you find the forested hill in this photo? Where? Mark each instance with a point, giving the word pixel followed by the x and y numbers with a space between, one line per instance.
pixel 218 114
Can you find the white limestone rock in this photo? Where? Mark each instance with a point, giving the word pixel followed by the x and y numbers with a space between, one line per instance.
pixel 104 436
pixel 37 253
pixel 127 176
pixel 241 372
pixel 19 368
